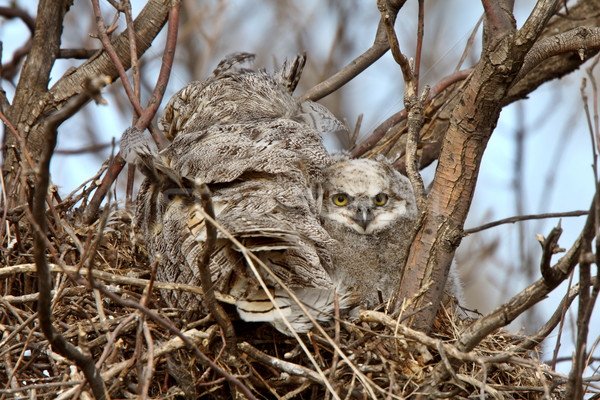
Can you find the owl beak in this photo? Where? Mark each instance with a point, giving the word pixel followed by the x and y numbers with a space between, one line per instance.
pixel 363 217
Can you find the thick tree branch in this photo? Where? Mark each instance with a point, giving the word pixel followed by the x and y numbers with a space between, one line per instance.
pixel 471 125
pixel 581 39
pixel 31 112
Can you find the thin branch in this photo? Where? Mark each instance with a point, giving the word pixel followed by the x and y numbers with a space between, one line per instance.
pixel 359 64
pixel 203 265
pixel 145 116
pixel 280 365
pixel 56 340
pixel 395 119
pixel 512 220
pixel 531 295
pixel 94 148
pixel 420 33
pixel 530 342
pixel 469 44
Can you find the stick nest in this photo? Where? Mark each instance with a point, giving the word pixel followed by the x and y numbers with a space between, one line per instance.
pixel 141 357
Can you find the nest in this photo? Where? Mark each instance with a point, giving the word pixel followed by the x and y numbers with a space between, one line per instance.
pixel 140 355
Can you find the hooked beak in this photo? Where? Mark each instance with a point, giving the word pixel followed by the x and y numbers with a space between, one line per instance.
pixel 363 217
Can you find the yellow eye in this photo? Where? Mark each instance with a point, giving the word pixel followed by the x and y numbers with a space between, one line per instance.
pixel 340 199
pixel 380 199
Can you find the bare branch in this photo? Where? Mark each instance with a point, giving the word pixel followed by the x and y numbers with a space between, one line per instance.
pixel 145 116
pixel 582 38
pixel 549 248
pixel 203 265
pixel 379 48
pixel 531 342
pixel 537 291
pixel 57 341
pixel 512 220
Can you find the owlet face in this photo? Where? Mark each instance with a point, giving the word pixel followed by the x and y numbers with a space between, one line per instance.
pixel 367 196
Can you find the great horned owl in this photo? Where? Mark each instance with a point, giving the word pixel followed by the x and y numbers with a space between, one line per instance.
pixel 369 209
pixel 261 154
pixel 234 94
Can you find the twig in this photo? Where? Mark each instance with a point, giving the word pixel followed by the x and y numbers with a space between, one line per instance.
pixel 203 265
pixel 56 340
pixel 469 44
pixel 146 115
pixel 412 103
pixel 280 365
pixel 401 115
pixel 512 220
pixel 94 148
pixel 420 34
pixel 549 248
pixel 379 48
pixel 108 277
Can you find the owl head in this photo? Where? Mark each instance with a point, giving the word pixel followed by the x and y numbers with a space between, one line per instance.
pixel 366 196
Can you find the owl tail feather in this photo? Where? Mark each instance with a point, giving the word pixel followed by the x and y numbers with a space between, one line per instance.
pixel 319 302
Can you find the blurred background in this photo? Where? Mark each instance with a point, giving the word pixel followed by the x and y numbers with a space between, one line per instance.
pixel 538 160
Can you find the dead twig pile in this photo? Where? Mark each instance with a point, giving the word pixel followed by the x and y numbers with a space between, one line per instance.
pixel 133 338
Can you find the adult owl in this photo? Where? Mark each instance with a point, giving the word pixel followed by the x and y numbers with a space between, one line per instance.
pixel 260 152
pixel 369 210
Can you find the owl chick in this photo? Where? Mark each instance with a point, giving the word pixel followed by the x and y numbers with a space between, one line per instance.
pixel 260 153
pixel 369 209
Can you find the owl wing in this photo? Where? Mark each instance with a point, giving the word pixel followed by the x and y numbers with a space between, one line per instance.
pixel 261 177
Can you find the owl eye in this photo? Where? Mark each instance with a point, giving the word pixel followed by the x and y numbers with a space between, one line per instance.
pixel 340 199
pixel 380 199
